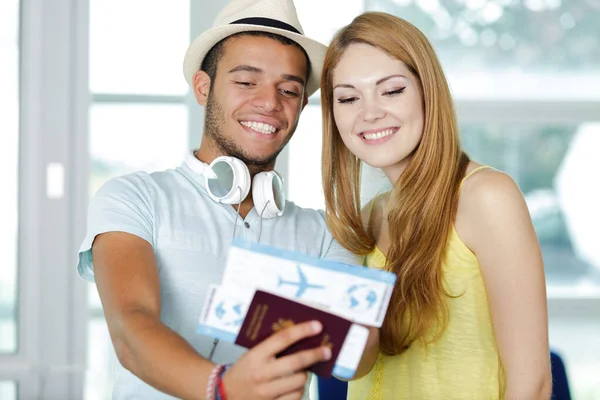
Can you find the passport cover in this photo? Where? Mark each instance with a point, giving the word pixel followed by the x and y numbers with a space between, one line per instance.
pixel 269 313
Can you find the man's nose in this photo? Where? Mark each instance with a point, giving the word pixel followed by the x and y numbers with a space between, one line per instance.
pixel 267 98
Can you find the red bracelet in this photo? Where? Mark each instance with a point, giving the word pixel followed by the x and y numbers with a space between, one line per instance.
pixel 213 382
pixel 222 393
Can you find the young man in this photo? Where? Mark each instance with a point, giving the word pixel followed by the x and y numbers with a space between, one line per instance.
pixel 156 241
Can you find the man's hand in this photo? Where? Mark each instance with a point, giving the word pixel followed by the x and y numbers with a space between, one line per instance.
pixel 259 375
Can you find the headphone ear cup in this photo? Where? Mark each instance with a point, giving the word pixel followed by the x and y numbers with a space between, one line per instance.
pixel 230 181
pixel 268 195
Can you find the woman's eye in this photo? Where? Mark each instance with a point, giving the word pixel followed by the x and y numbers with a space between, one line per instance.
pixel 396 92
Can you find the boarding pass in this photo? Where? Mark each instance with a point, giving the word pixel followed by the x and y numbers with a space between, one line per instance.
pixel 355 292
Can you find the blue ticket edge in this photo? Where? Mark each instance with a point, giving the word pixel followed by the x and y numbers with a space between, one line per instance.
pixel 356 270
pixel 339 371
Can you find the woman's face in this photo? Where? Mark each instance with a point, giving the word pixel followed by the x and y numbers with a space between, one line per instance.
pixel 377 107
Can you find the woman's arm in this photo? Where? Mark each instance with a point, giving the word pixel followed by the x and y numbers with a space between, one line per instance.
pixel 369 355
pixel 494 222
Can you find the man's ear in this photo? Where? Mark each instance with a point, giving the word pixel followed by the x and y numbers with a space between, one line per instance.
pixel 304 101
pixel 201 82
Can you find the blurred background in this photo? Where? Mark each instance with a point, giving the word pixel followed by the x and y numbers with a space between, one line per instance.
pixel 92 89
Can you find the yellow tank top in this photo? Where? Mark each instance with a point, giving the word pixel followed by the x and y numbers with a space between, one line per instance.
pixel 463 363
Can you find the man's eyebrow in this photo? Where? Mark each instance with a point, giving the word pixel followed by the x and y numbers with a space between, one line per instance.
pixel 256 70
pixel 294 78
pixel 379 82
pixel 247 68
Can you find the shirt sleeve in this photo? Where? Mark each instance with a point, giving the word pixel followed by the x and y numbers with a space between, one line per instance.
pixel 333 251
pixel 122 204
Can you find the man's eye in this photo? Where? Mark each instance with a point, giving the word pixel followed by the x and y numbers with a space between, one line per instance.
pixel 246 84
pixel 289 93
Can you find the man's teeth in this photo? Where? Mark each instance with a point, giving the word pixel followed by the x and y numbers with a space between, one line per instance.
pixel 259 127
pixel 378 135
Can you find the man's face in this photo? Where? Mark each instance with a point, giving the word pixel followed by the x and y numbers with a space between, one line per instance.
pixel 256 98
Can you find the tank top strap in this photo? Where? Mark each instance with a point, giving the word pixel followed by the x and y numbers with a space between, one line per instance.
pixel 472 172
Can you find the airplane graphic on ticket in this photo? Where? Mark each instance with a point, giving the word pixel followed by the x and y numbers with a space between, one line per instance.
pixel 302 283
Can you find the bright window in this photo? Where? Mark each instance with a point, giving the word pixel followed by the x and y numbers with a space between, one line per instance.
pixel 136 46
pixel 511 49
pixel 8 390
pixel 127 137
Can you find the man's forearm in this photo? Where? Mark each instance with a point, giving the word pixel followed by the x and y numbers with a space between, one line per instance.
pixel 162 358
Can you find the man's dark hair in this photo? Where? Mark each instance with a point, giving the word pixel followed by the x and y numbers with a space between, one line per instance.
pixel 211 61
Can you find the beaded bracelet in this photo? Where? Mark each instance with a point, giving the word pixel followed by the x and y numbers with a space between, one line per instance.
pixel 213 378
pixel 220 392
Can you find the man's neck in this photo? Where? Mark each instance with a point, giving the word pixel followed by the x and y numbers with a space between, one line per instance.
pixel 245 207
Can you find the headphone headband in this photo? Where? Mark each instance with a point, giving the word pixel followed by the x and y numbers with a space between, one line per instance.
pixel 227 181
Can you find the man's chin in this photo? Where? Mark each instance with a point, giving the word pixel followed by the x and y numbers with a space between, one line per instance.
pixel 250 153
pixel 259 160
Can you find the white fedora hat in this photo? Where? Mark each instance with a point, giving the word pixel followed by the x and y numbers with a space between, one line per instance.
pixel 276 16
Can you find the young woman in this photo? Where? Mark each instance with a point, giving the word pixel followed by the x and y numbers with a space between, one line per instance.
pixel 467 318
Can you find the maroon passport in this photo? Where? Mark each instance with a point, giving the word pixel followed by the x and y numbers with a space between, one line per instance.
pixel 269 313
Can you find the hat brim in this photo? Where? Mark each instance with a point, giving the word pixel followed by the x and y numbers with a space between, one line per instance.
pixel 205 41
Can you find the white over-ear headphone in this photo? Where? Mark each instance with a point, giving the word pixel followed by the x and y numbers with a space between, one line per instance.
pixel 228 182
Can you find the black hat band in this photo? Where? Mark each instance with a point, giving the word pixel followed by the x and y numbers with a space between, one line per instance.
pixel 273 23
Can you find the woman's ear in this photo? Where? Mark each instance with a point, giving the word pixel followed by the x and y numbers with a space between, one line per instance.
pixel 201 87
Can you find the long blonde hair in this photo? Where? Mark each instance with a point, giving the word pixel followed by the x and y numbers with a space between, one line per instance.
pixel 422 203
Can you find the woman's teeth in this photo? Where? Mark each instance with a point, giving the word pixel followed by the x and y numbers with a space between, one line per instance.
pixel 378 135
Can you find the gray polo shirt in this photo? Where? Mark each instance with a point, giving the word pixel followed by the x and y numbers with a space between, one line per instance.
pixel 190 235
